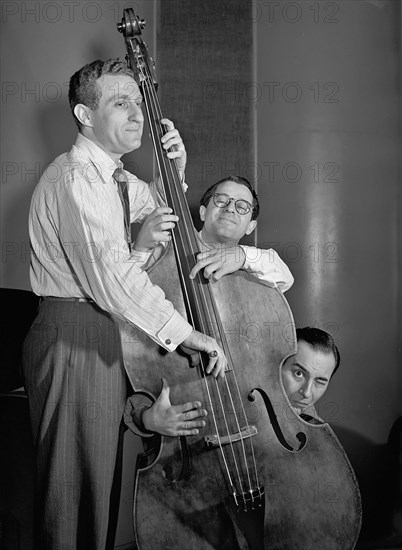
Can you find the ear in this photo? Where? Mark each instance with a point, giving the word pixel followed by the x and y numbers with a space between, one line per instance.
pixel 83 113
pixel 251 226
pixel 202 213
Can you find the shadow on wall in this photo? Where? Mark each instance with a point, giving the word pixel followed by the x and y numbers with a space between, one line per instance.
pixel 54 134
pixel 57 129
pixel 378 469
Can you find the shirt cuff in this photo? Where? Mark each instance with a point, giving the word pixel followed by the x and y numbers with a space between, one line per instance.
pixel 135 405
pixel 174 332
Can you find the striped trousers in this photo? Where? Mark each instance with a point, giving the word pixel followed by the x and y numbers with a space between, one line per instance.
pixel 76 386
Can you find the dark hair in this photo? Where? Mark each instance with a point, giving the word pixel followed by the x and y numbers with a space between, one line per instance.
pixel 84 87
pixel 236 179
pixel 320 340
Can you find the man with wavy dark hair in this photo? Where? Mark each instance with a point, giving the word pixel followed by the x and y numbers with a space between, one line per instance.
pixel 90 276
pixel 84 86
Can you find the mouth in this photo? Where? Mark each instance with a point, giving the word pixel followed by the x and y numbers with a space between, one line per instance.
pixel 299 405
pixel 134 127
pixel 227 219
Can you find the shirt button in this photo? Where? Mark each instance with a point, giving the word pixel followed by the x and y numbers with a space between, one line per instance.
pixel 168 342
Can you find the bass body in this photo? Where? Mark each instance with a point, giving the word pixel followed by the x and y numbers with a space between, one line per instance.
pixel 196 492
pixel 257 477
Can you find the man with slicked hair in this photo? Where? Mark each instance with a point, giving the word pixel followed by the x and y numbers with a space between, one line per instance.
pixel 306 375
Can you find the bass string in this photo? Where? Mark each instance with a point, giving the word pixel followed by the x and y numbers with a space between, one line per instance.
pixel 181 210
pixel 154 115
pixel 209 305
pixel 237 408
pixel 196 312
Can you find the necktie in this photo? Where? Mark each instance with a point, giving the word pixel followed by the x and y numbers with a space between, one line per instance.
pixel 120 179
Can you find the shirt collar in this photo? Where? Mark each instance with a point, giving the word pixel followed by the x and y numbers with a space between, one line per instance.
pixel 102 165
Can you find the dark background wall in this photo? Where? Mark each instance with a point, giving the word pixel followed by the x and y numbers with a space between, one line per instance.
pixel 300 97
pixel 329 134
pixel 313 88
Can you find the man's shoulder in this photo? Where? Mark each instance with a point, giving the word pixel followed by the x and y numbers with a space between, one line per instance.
pixel 78 161
pixel 63 177
pixel 54 171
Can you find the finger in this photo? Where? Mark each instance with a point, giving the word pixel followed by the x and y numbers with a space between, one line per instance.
pixel 204 256
pixel 162 230
pixel 168 123
pixel 166 225
pixel 173 138
pixel 219 369
pixel 211 364
pixel 204 262
pixel 217 365
pixel 161 211
pixel 165 389
pixel 193 424
pixel 163 217
pixel 187 432
pixel 171 134
pixel 217 275
pixel 176 154
pixel 189 406
pixel 210 270
pixel 195 414
pixel 166 218
pixel 198 266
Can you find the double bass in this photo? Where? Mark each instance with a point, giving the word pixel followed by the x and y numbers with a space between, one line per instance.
pixel 258 476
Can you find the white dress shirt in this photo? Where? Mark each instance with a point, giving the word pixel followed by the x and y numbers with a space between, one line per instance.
pixel 76 227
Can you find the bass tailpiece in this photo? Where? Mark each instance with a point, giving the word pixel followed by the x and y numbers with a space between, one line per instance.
pixel 248 510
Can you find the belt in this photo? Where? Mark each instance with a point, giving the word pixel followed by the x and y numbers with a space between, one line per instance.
pixel 57 299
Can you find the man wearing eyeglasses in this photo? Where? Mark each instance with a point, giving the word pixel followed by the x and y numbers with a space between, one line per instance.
pixel 228 210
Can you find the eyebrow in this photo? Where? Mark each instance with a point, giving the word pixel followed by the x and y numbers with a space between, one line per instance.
pixel 236 198
pixel 119 97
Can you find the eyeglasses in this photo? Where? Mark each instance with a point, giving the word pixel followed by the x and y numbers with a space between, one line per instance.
pixel 222 199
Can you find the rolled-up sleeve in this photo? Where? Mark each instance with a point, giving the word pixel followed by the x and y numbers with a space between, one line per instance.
pixel 107 272
pixel 268 267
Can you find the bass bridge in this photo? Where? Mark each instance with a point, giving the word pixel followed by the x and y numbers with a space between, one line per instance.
pixel 214 441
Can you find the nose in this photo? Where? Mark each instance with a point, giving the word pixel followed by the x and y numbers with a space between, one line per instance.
pixel 307 390
pixel 230 207
pixel 136 113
